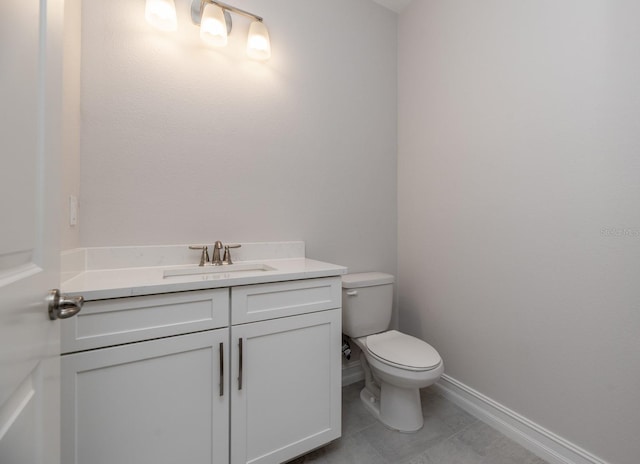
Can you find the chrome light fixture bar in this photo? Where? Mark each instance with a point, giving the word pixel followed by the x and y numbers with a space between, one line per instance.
pixel 215 23
pixel 214 19
pixel 197 8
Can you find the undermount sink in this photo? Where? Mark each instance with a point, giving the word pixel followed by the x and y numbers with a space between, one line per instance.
pixel 224 269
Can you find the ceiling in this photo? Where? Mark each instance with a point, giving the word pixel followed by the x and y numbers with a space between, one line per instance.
pixel 395 5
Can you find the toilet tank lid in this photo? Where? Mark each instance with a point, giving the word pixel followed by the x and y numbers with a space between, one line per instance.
pixel 366 279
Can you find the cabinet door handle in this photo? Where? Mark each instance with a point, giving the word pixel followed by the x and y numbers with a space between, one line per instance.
pixel 221 369
pixel 240 364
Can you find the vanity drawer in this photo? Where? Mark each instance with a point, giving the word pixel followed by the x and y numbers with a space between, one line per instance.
pixel 260 302
pixel 125 320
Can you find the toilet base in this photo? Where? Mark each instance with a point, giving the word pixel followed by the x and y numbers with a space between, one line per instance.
pixel 397 408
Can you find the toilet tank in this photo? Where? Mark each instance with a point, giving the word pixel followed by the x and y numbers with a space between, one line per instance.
pixel 367 301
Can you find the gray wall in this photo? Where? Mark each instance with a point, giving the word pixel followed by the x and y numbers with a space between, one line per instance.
pixel 519 217
pixel 185 144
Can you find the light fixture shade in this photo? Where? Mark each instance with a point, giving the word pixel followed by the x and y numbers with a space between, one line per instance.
pixel 213 27
pixel 258 43
pixel 161 14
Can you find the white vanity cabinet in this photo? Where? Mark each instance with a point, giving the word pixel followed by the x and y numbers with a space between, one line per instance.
pixel 163 400
pixel 247 374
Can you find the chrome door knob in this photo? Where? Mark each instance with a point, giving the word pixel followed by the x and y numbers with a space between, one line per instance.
pixel 62 306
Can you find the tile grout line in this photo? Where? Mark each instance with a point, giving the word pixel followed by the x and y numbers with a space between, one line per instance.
pixel 446 439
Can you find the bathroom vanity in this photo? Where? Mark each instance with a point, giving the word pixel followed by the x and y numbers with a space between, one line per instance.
pixel 204 367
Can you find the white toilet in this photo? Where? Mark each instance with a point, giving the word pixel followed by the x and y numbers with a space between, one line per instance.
pixel 396 365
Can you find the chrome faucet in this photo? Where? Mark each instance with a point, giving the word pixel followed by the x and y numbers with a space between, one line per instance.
pixel 217 261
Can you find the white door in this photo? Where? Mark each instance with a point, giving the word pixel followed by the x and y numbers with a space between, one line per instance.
pixel 30 140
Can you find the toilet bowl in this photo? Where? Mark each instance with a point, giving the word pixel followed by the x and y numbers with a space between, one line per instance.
pixel 396 365
pixel 399 376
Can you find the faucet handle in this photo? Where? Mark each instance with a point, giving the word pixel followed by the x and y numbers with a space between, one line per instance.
pixel 227 254
pixel 204 258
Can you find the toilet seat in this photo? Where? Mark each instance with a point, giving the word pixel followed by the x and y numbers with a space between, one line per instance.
pixel 402 350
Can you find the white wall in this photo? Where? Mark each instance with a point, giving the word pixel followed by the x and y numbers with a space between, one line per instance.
pixel 184 144
pixel 519 217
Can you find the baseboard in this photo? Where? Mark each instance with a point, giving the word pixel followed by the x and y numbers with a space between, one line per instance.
pixel 540 441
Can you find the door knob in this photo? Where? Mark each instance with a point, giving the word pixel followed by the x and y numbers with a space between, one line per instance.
pixel 62 306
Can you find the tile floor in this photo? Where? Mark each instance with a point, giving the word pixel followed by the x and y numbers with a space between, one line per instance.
pixel 449 436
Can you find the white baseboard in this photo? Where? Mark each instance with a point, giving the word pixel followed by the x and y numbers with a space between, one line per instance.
pixel 540 441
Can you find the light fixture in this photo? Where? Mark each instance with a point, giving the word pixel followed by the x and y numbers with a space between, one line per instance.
pixel 258 43
pixel 161 14
pixel 214 20
pixel 213 26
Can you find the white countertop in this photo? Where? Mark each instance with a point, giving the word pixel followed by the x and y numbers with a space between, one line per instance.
pixel 99 284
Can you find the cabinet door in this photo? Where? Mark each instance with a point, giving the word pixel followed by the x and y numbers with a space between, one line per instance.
pixel 286 392
pixel 148 403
